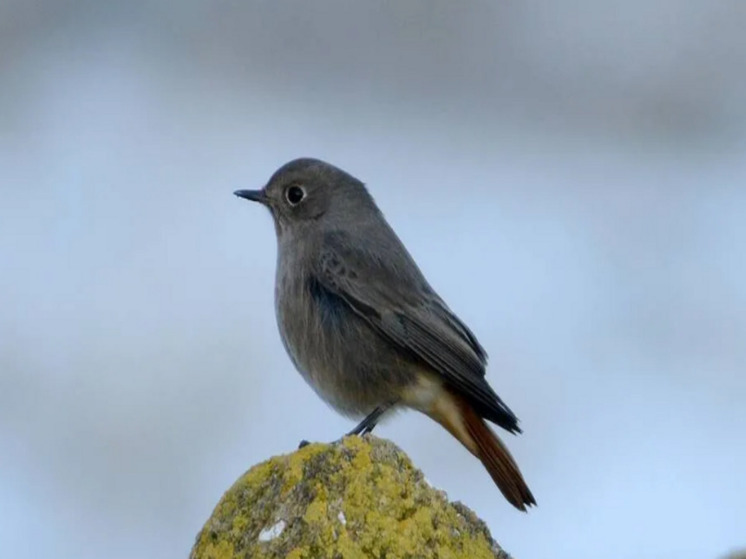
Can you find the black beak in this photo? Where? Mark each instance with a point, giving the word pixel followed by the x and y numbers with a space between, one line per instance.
pixel 253 195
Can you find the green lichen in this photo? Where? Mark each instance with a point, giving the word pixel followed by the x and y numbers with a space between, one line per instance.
pixel 360 497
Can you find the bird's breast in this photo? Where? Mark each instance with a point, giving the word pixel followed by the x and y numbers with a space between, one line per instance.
pixel 337 352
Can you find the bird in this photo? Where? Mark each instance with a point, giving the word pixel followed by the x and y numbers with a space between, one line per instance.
pixel 364 327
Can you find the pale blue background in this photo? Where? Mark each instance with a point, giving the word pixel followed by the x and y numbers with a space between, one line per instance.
pixel 570 176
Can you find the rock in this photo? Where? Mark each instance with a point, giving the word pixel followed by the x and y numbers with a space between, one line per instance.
pixel 360 497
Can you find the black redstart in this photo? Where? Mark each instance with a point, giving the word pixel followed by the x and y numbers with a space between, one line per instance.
pixel 364 327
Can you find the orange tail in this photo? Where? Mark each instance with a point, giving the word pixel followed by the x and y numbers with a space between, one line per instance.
pixel 456 415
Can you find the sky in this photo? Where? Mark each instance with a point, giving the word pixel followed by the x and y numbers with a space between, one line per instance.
pixel 570 180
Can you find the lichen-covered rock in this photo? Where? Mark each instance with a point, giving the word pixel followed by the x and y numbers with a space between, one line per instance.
pixel 360 497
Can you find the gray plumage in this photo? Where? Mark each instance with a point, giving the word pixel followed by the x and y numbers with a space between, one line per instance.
pixel 358 318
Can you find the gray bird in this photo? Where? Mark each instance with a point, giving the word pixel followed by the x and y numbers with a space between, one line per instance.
pixel 363 326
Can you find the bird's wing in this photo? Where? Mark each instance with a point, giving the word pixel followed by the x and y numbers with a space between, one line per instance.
pixel 398 304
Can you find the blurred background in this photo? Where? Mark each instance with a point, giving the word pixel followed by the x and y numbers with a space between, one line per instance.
pixel 570 177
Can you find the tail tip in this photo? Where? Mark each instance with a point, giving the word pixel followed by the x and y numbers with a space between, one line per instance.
pixel 525 502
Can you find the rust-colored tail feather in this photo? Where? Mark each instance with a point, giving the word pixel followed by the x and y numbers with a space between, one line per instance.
pixel 496 458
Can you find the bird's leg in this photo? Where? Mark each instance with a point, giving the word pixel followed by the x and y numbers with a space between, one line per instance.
pixel 366 425
pixel 369 422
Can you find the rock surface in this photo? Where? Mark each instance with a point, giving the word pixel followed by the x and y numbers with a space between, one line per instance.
pixel 360 497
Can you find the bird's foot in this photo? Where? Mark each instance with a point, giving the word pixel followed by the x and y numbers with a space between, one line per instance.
pixel 363 428
pixel 370 421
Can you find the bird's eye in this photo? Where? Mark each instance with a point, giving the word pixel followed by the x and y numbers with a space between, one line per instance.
pixel 294 194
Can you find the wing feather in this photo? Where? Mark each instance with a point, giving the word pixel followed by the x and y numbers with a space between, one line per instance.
pixel 399 305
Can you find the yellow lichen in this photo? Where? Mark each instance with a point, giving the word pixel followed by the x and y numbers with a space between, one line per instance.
pixel 358 498
pixel 218 550
pixel 293 463
pixel 297 553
